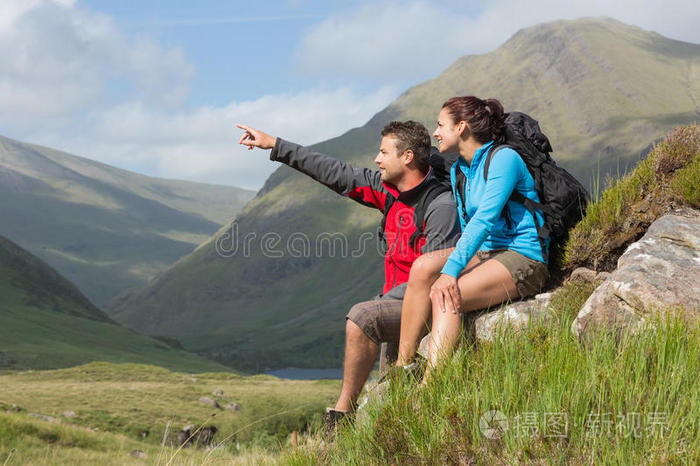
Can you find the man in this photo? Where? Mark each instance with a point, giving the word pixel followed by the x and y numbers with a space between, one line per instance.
pixel 419 216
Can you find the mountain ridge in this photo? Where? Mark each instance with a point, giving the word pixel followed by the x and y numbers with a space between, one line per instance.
pixel 600 96
pixel 105 228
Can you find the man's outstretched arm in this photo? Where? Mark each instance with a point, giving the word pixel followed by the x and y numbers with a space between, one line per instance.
pixel 361 184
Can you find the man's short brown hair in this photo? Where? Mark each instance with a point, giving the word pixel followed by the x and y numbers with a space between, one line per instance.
pixel 411 135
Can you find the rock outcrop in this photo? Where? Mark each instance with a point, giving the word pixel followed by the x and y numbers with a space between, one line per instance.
pixel 657 274
pixel 515 317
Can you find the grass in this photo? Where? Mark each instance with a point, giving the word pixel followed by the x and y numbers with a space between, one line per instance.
pixel 669 177
pixel 38 443
pixel 124 407
pixel 629 402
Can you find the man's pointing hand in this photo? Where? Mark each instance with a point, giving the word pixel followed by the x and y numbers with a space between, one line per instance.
pixel 255 138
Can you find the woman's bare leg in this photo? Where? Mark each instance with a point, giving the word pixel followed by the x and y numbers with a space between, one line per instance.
pixel 416 309
pixel 486 285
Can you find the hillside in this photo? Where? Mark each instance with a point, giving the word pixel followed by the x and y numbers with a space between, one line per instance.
pixel 603 91
pixel 46 322
pixel 104 228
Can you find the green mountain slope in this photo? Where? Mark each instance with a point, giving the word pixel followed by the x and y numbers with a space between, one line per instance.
pixel 602 91
pixel 104 228
pixel 46 322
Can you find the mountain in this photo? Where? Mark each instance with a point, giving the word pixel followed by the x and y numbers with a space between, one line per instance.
pixel 603 91
pixel 46 322
pixel 104 228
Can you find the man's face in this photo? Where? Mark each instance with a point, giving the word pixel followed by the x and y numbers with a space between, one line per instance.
pixel 391 164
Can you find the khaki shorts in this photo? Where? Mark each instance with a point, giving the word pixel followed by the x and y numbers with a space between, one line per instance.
pixel 528 274
pixel 379 319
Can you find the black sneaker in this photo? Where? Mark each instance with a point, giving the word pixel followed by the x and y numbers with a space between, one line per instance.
pixel 333 418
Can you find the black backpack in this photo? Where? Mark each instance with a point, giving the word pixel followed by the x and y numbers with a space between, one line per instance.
pixel 440 165
pixel 563 199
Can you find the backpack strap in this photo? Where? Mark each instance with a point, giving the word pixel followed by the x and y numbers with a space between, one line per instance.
pixel 460 185
pixel 492 151
pixel 420 208
pixel 531 206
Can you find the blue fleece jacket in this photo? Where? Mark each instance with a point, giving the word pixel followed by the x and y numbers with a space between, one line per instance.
pixel 484 228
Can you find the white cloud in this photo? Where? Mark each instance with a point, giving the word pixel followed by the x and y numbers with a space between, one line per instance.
pixel 398 38
pixel 70 79
pixel 58 60
pixel 202 144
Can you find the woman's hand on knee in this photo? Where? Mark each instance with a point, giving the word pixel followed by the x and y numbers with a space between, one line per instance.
pixel 444 294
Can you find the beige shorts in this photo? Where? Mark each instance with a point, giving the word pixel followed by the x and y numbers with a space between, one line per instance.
pixel 528 274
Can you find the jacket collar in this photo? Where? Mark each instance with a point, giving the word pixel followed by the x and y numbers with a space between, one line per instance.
pixel 406 196
pixel 478 155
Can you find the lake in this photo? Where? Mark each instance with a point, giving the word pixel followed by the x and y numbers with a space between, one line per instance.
pixel 296 373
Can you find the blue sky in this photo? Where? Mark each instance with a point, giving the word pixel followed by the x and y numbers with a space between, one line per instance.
pixel 157 86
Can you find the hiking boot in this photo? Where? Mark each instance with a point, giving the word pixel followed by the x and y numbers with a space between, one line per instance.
pixel 333 418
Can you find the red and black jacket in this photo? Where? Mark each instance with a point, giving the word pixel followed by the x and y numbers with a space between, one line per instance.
pixel 420 220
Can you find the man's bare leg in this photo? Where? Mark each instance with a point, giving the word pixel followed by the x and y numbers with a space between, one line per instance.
pixel 360 356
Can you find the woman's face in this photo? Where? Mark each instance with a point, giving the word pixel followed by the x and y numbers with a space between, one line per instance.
pixel 448 133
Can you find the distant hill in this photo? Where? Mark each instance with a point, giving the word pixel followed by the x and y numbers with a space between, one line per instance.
pixel 104 228
pixel 46 322
pixel 603 91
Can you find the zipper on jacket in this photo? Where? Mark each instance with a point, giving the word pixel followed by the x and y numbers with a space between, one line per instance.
pixel 391 254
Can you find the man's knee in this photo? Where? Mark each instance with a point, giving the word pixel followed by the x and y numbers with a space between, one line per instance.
pixel 353 330
pixel 361 321
pixel 379 320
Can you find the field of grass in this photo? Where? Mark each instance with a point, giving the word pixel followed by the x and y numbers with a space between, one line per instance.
pixel 119 408
pixel 636 401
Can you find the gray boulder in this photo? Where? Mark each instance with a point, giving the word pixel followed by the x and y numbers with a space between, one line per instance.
pixel 483 326
pixel 208 401
pixel 514 317
pixel 658 273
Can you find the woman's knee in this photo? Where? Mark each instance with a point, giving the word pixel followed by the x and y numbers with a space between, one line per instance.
pixel 425 270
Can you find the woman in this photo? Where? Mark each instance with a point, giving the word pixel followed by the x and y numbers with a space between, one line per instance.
pixel 498 257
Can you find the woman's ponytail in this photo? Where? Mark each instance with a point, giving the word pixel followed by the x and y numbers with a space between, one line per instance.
pixel 484 117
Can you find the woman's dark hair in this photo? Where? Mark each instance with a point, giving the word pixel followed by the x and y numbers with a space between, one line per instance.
pixel 484 117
